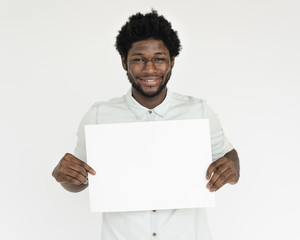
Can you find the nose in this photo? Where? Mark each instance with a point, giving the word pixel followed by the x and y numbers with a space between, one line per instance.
pixel 150 67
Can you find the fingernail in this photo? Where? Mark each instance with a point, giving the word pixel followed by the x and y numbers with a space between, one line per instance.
pixel 86 182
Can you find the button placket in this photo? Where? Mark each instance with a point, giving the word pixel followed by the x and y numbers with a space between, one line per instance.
pixel 150 115
pixel 154 219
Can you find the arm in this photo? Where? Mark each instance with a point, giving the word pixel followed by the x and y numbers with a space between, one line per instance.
pixel 72 173
pixel 225 170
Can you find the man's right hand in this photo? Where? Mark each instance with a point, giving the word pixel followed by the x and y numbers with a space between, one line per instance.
pixel 72 173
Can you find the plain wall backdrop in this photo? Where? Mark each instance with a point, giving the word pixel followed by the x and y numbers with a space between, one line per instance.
pixel 57 58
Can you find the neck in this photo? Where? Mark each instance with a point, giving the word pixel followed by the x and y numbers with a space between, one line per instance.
pixel 149 102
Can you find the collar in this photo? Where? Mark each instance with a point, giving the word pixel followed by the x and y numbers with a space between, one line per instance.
pixel 140 111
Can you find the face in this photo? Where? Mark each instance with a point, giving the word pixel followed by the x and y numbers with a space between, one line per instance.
pixel 148 67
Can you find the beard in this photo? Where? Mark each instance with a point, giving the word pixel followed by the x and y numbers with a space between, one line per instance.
pixel 138 88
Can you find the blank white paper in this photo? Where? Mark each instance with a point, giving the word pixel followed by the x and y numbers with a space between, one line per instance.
pixel 149 165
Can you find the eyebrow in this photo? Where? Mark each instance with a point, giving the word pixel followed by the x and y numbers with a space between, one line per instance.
pixel 141 54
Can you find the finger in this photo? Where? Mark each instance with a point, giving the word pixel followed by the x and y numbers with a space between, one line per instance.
pixel 213 166
pixel 78 169
pixel 75 160
pixel 77 176
pixel 218 172
pixel 69 179
pixel 222 180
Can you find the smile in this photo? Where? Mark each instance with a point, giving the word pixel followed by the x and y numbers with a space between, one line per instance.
pixel 150 81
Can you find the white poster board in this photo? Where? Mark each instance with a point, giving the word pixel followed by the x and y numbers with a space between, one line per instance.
pixel 149 165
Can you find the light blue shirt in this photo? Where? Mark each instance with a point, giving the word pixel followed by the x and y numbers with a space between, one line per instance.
pixel 174 224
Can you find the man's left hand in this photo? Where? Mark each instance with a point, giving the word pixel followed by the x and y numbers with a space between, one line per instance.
pixel 225 170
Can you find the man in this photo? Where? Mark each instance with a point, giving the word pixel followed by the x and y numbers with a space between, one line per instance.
pixel 148 46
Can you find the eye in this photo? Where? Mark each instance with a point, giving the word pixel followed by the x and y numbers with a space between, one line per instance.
pixel 159 59
pixel 138 60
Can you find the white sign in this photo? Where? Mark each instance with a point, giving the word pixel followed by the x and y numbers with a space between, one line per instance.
pixel 149 165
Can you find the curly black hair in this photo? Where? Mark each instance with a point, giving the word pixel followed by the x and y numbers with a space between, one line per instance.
pixel 149 26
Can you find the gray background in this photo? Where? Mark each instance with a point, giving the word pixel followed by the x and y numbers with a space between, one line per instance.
pixel 57 58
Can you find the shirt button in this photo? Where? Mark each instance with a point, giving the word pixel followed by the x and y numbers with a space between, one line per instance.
pixel 153 210
pixel 153 234
pixel 150 111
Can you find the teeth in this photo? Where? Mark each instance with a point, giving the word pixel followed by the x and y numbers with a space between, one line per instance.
pixel 149 80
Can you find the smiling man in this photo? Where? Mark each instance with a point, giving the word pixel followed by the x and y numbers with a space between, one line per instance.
pixel 148 47
pixel 149 68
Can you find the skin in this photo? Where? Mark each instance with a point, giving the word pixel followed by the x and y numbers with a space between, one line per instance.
pixel 72 173
pixel 225 170
pixel 147 60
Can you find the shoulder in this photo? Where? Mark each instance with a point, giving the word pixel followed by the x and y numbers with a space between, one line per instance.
pixel 91 115
pixel 191 101
pixel 195 104
pixel 186 98
pixel 110 103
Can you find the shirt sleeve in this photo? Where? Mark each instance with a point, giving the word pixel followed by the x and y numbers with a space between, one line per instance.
pixel 219 143
pixel 88 119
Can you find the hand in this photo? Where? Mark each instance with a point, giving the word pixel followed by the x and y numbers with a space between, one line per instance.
pixel 71 170
pixel 225 170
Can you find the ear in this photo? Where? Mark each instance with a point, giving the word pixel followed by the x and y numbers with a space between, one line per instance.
pixel 124 63
pixel 172 62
